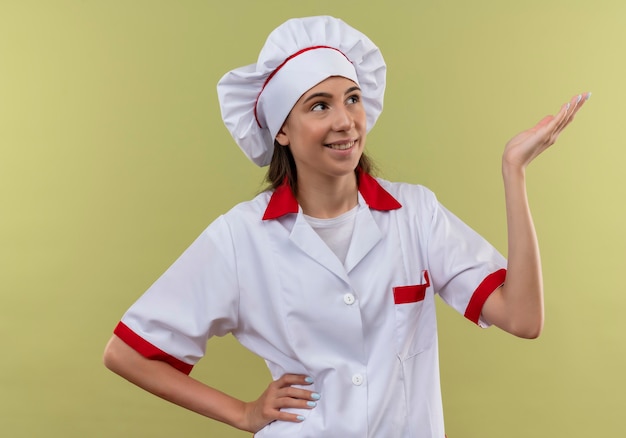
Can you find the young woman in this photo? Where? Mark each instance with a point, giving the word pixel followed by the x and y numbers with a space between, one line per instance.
pixel 330 275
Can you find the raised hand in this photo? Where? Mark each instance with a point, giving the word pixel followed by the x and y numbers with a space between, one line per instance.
pixel 280 394
pixel 527 145
pixel 517 306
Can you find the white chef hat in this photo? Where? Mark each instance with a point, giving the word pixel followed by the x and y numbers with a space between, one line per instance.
pixel 256 99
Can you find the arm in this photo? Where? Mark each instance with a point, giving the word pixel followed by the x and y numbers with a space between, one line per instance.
pixel 163 380
pixel 517 306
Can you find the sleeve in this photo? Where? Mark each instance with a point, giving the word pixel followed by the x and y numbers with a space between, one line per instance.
pixel 196 298
pixel 465 268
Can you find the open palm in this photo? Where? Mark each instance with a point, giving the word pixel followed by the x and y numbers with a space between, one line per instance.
pixel 527 145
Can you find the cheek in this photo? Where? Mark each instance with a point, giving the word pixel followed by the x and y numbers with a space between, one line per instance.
pixel 310 133
pixel 360 117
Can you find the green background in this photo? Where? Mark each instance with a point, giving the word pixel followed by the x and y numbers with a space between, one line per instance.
pixel 113 158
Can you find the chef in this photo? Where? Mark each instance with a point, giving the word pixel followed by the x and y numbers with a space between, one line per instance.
pixel 330 275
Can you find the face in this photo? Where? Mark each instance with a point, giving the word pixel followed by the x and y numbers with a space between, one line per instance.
pixel 326 130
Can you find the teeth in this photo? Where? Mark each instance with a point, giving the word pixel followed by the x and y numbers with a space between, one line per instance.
pixel 341 147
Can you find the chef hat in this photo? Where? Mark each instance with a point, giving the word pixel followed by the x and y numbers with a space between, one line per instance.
pixel 256 99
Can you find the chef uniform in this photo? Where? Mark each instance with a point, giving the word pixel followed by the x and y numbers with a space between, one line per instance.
pixel 362 325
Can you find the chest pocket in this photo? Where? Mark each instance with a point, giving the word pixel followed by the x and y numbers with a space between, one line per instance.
pixel 414 311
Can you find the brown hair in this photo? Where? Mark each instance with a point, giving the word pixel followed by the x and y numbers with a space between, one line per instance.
pixel 283 166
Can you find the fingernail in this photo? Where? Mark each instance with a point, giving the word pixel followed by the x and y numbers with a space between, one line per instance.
pixel 311 404
pixel 567 106
pixel 315 396
pixel 300 418
pixel 580 96
pixel 308 379
pixel 588 96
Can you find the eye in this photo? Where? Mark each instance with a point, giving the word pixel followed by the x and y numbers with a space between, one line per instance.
pixel 320 106
pixel 355 98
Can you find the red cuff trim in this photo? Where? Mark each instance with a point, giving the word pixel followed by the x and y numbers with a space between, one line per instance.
pixel 147 350
pixel 482 292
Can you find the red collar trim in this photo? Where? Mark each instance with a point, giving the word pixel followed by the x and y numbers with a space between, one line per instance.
pixel 281 203
pixel 284 202
pixel 375 196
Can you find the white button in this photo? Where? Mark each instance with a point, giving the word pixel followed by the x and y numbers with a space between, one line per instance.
pixel 357 379
pixel 349 299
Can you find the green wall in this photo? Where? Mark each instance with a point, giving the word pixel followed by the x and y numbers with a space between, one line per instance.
pixel 113 158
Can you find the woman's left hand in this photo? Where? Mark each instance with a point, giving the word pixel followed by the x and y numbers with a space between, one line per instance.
pixel 517 306
pixel 527 145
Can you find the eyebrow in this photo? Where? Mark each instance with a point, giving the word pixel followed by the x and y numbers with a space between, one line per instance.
pixel 328 95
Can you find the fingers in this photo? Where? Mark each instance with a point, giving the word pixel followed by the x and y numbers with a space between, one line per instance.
pixel 293 379
pixel 293 397
pixel 527 145
pixel 550 127
pixel 284 394
pixel 280 395
pixel 580 101
pixel 569 110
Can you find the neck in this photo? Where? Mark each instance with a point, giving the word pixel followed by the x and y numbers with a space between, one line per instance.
pixel 328 198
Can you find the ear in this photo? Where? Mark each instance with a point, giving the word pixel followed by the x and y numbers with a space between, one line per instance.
pixel 282 137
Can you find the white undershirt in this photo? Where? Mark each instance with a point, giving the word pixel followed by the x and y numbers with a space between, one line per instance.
pixel 336 231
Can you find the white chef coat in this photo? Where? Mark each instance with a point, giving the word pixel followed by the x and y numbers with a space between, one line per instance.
pixel 365 331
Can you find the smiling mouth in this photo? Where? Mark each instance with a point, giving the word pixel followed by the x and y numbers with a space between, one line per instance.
pixel 341 147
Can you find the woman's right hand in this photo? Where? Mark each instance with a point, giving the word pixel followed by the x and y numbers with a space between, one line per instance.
pixel 280 394
pixel 165 381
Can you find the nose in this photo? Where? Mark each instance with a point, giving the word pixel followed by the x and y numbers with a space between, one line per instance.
pixel 343 119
